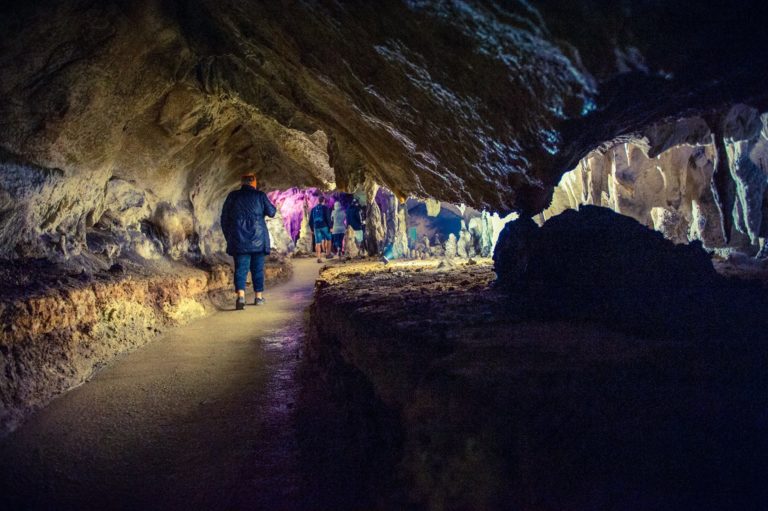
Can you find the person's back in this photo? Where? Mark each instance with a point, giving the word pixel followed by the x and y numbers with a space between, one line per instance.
pixel 355 221
pixel 245 229
pixel 320 219
pixel 243 221
pixel 354 216
pixel 339 218
pixel 319 216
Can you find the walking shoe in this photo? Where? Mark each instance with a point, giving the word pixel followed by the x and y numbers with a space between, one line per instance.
pixel 259 301
pixel 240 303
pixel 319 260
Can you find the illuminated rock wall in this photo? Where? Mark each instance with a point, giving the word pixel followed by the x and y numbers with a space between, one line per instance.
pixel 666 180
pixel 149 111
pixel 58 335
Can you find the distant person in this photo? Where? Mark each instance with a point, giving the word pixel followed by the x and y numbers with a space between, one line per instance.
pixel 413 240
pixel 355 221
pixel 320 219
pixel 339 218
pixel 242 220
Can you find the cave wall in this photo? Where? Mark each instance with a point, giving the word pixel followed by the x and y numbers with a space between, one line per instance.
pixel 59 331
pixel 666 180
pixel 151 109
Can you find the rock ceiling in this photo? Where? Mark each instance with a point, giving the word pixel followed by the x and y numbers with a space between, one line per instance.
pixel 481 102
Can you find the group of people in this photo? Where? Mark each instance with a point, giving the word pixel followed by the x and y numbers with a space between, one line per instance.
pixel 243 221
pixel 330 227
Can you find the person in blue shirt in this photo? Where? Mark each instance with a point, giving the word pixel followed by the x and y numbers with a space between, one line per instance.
pixel 320 220
pixel 245 229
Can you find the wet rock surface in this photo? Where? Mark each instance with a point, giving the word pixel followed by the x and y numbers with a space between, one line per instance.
pixel 59 327
pixel 500 410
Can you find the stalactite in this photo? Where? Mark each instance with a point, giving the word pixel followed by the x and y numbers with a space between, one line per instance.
pixel 724 186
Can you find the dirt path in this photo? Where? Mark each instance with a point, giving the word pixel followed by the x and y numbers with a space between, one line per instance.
pixel 202 419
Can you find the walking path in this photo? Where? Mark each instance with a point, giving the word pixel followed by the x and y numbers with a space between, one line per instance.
pixel 201 419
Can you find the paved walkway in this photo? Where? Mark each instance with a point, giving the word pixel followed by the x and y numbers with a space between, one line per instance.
pixel 201 419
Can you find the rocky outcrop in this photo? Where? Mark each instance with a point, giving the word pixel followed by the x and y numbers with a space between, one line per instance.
pixel 58 330
pixel 666 180
pixel 596 265
pixel 469 102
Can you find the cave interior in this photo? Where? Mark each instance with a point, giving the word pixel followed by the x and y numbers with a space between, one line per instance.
pixel 560 298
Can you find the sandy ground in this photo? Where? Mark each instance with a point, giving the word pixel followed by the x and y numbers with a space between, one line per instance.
pixel 202 418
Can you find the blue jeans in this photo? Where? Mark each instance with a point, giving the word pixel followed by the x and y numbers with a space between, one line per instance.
pixel 322 234
pixel 254 263
pixel 336 242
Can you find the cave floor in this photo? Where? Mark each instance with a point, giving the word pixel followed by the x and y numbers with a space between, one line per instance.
pixel 203 418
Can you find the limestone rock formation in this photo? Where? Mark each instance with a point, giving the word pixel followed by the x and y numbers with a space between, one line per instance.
pixel 280 240
pixel 304 243
pixel 433 207
pixel 666 180
pixel 450 249
pixel 375 229
pixel 351 249
pixel 496 408
pixel 464 244
pixel 476 103
pixel 61 328
pixel 513 253
pixel 400 240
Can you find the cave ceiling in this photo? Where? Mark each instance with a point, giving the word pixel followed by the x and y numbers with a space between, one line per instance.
pixel 481 102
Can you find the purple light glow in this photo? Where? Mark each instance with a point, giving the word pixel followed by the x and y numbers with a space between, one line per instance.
pixel 290 202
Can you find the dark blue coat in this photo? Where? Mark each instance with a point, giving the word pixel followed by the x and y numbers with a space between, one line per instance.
pixel 354 218
pixel 242 220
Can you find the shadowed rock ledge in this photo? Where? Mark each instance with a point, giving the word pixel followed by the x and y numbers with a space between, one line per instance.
pixel 497 409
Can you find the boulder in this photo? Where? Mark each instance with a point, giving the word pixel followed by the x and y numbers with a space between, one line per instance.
pixel 594 264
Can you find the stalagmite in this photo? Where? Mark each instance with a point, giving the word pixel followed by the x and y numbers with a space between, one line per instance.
pixel 389 214
pixel 280 240
pixel 400 241
pixel 304 243
pixel 351 249
pixel 450 247
pixel 463 243
pixel 375 231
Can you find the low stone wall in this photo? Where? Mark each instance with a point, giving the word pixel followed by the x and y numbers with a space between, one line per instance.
pixel 498 410
pixel 55 339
